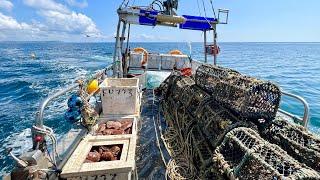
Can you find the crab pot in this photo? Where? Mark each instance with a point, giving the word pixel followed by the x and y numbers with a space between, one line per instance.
pixel 113 127
pixel 201 148
pixel 303 146
pixel 214 121
pixel 244 154
pixel 120 96
pixel 197 98
pixel 116 159
pixel 165 88
pixel 244 96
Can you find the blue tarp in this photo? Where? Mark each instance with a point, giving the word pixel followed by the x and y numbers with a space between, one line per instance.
pixel 193 23
pixel 145 20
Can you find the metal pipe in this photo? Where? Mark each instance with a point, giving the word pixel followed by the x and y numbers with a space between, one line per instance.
pixel 43 105
pixel 215 43
pixel 120 49
pixel 115 68
pixel 205 44
pixel 305 119
pixel 128 36
pixel 155 16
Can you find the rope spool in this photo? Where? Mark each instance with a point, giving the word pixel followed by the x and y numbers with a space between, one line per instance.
pixel 144 61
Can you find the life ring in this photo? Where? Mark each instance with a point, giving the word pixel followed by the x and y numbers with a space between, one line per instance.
pixel 176 52
pixel 144 62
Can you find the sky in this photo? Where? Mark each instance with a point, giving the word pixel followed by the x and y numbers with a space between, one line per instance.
pixel 72 20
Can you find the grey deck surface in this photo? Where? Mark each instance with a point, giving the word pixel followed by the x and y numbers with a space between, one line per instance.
pixel 149 162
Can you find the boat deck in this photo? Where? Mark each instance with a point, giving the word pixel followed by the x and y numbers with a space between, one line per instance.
pixel 149 162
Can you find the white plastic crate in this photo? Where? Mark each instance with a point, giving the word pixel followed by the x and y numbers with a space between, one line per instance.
pixel 169 61
pixel 121 169
pixel 120 96
pixel 135 60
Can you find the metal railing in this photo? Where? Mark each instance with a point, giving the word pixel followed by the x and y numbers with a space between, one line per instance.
pixel 44 104
pixel 305 120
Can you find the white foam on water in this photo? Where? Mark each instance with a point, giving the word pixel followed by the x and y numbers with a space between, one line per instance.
pixel 19 142
pixel 102 58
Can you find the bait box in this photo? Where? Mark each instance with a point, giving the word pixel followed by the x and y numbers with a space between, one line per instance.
pixel 120 96
pixel 76 168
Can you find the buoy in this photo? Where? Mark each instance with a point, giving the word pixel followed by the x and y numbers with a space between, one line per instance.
pixel 186 72
pixel 175 52
pixel 73 115
pixel 75 102
pixel 33 55
pixel 93 86
pixel 144 62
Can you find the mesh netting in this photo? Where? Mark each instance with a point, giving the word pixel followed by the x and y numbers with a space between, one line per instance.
pixel 300 144
pixel 245 96
pixel 244 154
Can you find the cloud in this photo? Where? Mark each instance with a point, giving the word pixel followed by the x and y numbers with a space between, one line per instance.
pixel 6 5
pixel 74 23
pixel 57 22
pixel 58 18
pixel 75 3
pixel 46 5
pixel 11 29
pixel 9 23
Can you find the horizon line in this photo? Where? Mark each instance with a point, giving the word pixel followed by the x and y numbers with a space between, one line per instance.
pixel 43 41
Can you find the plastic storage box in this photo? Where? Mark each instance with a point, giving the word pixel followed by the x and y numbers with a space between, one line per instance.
pixel 120 96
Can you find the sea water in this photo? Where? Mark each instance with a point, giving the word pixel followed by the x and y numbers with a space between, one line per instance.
pixel 25 81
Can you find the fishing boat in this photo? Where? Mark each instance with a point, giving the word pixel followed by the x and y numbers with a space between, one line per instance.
pixel 210 122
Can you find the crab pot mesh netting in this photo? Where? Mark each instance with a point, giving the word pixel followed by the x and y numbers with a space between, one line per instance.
pixel 246 96
pixel 213 137
pixel 244 154
pixel 300 144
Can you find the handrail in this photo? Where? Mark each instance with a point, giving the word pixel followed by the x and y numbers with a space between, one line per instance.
pixel 305 119
pixel 43 105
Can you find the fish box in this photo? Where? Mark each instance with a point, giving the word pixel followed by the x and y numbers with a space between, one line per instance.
pixel 116 159
pixel 135 60
pixel 120 96
pixel 115 127
pixel 174 61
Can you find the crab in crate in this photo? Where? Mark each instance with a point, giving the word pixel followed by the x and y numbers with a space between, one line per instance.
pixel 114 127
pixel 104 153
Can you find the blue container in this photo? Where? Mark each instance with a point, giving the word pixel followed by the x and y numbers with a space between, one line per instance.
pixel 197 23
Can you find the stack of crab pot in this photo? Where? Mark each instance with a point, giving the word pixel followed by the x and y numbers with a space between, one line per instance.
pixel 108 151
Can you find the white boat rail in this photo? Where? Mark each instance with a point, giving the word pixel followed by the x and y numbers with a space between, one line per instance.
pixel 305 120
